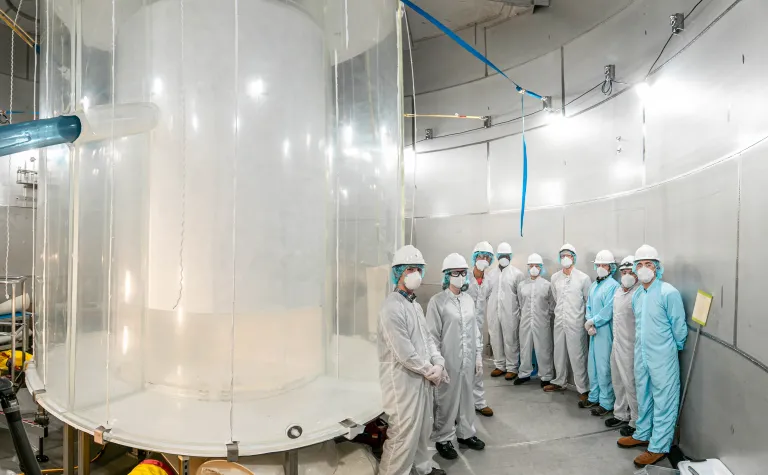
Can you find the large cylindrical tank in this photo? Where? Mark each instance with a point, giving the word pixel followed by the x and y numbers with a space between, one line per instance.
pixel 214 278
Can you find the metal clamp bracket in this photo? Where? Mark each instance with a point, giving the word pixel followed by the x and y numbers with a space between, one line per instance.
pixel 98 435
pixel 233 452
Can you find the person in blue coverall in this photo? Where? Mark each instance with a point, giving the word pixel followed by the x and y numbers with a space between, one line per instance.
pixel 660 333
pixel 599 326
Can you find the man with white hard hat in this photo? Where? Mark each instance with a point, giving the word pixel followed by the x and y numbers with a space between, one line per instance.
pixel 452 321
pixel 623 354
pixel 570 287
pixel 536 307
pixel 660 333
pixel 480 289
pixel 599 326
pixel 409 362
pixel 504 315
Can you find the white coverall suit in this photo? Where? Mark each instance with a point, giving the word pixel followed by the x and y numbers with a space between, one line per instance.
pixel 452 322
pixel 571 339
pixel 536 307
pixel 623 356
pixel 479 294
pixel 406 353
pixel 504 324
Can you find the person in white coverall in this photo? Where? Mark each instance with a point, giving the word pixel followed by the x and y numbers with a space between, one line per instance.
pixel 452 322
pixel 536 307
pixel 623 354
pixel 409 365
pixel 503 314
pixel 479 290
pixel 570 288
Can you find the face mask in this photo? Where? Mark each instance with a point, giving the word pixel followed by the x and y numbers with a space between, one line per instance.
pixel 645 275
pixel 602 273
pixel 458 282
pixel 627 281
pixel 566 262
pixel 481 265
pixel 412 281
pixel 503 262
pixel 534 271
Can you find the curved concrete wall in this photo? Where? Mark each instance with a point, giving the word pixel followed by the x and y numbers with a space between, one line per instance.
pixel 688 180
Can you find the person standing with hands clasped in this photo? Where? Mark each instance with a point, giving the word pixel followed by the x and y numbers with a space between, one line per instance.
pixel 409 362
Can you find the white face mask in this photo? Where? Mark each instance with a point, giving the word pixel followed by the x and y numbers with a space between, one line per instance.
pixel 481 265
pixel 645 275
pixel 503 262
pixel 413 280
pixel 566 262
pixel 602 273
pixel 457 282
pixel 534 271
pixel 627 281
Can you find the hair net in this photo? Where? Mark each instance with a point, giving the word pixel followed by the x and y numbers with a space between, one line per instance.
pixel 659 268
pixel 447 279
pixel 614 267
pixel 478 254
pixel 398 270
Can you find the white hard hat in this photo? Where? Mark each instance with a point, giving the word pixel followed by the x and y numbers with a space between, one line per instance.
pixel 454 261
pixel 627 263
pixel 646 253
pixel 605 257
pixel 504 248
pixel 568 247
pixel 408 255
pixel 483 246
pixel 535 259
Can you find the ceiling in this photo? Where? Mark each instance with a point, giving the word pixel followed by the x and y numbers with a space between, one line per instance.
pixel 459 14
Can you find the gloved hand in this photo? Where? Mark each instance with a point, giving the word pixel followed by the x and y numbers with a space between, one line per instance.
pixel 445 378
pixel 589 324
pixel 592 331
pixel 435 374
pixel 479 367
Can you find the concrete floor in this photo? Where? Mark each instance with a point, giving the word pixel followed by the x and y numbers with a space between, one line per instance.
pixel 531 433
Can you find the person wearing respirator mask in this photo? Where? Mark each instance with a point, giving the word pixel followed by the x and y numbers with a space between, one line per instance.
pixel 599 326
pixel 503 314
pixel 536 307
pixel 409 362
pixel 480 291
pixel 570 288
pixel 623 354
pixel 452 321
pixel 660 333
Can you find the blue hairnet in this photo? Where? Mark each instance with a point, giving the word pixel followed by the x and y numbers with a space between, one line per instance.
pixel 478 254
pixel 614 268
pixel 573 255
pixel 659 268
pixel 398 270
pixel 447 279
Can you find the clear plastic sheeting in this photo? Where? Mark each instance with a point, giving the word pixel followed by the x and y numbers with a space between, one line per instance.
pixel 210 259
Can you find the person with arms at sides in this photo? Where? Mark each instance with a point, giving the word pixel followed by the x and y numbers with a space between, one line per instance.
pixel 536 307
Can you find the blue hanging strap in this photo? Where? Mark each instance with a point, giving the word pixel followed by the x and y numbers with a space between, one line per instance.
pixel 525 168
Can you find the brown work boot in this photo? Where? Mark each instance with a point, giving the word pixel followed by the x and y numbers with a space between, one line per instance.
pixel 648 458
pixel 510 376
pixel 630 442
pixel 550 388
pixel 486 411
pixel 583 397
pixel 496 373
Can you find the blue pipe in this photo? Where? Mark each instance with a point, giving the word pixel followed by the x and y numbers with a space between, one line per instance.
pixel 15 138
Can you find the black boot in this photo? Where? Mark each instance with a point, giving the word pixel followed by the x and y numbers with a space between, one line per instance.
pixel 613 423
pixel 437 471
pixel 627 431
pixel 586 404
pixel 544 383
pixel 473 443
pixel 521 381
pixel 446 450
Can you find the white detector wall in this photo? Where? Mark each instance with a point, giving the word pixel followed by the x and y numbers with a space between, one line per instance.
pixel 687 180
